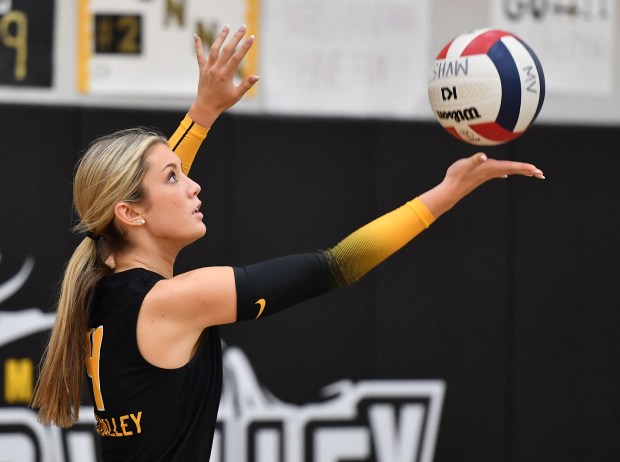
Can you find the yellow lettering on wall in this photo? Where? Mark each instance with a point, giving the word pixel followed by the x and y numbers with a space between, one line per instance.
pixel 14 34
pixel 207 33
pixel 18 380
pixel 131 28
pixel 175 9
pixel 105 33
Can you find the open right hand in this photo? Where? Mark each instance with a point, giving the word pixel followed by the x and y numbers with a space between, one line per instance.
pixel 216 88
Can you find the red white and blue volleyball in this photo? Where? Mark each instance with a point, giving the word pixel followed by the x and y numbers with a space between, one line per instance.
pixel 486 87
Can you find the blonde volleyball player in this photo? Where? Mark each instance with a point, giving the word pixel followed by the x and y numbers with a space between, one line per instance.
pixel 150 338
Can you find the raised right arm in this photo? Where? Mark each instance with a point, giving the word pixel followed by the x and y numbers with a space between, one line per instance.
pixel 216 92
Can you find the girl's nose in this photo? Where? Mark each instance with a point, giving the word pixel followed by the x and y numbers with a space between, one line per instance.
pixel 195 188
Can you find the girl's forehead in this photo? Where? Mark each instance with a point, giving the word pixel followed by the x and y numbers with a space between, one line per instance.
pixel 160 157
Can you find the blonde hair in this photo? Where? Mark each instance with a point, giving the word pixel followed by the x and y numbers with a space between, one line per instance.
pixel 111 171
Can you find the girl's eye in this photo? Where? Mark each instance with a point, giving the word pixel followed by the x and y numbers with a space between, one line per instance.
pixel 172 177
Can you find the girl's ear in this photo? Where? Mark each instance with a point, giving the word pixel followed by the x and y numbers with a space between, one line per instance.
pixel 127 215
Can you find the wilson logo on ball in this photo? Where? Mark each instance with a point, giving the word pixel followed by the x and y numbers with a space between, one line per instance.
pixel 471 113
pixel 486 87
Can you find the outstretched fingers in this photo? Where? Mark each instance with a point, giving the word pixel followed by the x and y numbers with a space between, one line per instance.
pixel 484 168
pixel 214 51
pixel 245 85
pixel 225 58
pixel 217 89
pixel 466 174
pixel 229 49
pixel 239 54
pixel 505 168
pixel 200 55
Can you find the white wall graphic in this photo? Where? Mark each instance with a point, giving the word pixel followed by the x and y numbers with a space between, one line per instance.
pixel 136 48
pixel 353 57
pixel 574 40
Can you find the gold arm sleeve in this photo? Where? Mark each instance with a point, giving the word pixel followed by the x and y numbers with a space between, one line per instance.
pixel 365 248
pixel 186 140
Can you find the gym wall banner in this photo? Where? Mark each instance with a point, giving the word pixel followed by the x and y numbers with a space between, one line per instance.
pixel 26 42
pixel 352 58
pixel 574 41
pixel 146 48
pixel 314 56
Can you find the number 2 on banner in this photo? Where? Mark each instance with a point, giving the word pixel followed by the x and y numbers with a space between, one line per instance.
pixel 94 337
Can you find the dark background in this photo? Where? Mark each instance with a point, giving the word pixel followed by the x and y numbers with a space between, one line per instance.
pixel 511 298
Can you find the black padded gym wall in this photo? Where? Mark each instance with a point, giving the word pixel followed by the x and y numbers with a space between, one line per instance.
pixel 511 298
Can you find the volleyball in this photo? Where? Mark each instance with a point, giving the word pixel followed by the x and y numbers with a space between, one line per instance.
pixel 486 87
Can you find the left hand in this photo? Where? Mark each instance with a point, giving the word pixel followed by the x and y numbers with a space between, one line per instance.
pixel 465 175
pixel 216 89
pixel 469 173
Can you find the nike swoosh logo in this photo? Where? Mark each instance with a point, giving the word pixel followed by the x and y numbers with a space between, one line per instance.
pixel 262 304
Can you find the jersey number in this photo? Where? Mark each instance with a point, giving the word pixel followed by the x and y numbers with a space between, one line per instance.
pixel 94 337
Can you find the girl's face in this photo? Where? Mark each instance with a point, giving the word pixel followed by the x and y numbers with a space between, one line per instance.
pixel 171 208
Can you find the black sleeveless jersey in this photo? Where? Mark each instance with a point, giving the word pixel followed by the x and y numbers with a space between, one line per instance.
pixel 143 412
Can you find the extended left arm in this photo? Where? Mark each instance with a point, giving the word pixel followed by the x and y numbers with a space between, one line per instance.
pixel 268 287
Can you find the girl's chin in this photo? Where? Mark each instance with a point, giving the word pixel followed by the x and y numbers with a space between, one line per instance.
pixel 190 239
pixel 201 233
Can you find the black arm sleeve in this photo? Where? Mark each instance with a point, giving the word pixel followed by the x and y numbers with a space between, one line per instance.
pixel 270 286
pixel 273 285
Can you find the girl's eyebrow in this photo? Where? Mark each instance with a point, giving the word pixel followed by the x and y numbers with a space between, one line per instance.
pixel 171 164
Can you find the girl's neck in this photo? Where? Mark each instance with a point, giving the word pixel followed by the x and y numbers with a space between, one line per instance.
pixel 160 264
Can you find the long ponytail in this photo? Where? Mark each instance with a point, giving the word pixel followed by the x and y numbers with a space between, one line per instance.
pixel 58 390
pixel 111 171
